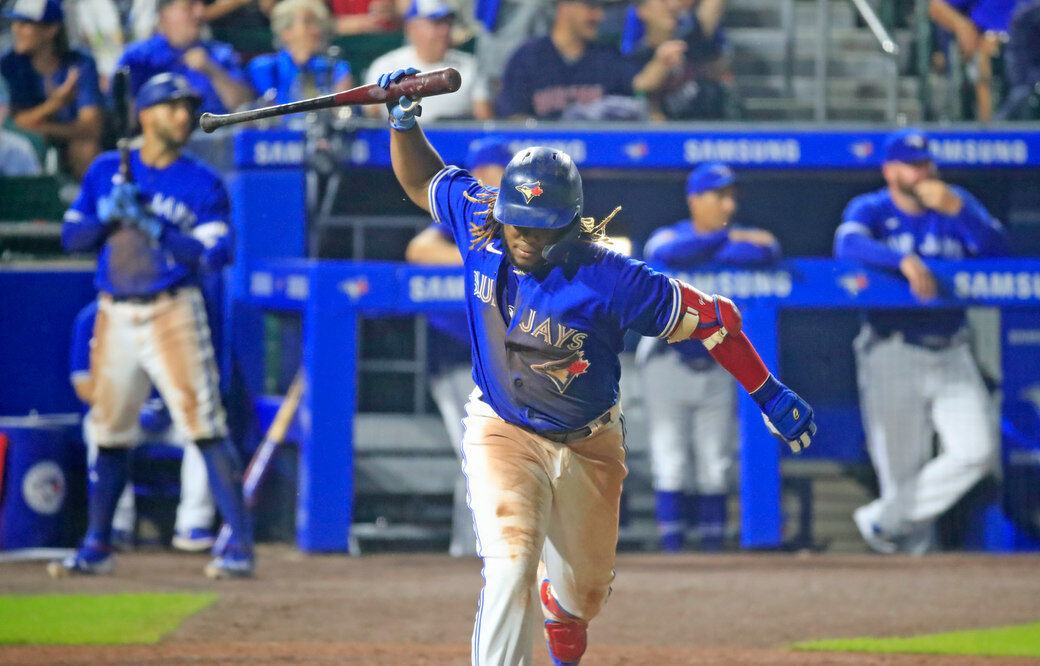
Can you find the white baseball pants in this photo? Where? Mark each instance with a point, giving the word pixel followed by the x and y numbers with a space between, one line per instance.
pixel 535 499
pixel 450 389
pixel 908 393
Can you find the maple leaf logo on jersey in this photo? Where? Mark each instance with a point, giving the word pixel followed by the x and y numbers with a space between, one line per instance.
pixel 563 372
pixel 530 190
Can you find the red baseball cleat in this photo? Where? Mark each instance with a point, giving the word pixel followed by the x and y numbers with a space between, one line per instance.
pixel 567 637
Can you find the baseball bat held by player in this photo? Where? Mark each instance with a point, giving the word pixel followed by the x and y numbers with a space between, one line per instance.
pixel 426 84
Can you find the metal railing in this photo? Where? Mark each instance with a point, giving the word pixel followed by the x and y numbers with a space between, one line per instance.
pixel 888 47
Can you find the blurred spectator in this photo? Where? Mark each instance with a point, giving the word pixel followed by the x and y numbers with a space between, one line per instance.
pixel 17 155
pixel 451 371
pixel 211 67
pixel 693 418
pixel 428 28
pixel 1022 64
pixel 507 24
pixel 300 69
pixel 238 13
pixel 916 374
pixel 355 17
pixel 54 89
pixel 700 87
pixel 567 71
pixel 980 28
pixel 105 27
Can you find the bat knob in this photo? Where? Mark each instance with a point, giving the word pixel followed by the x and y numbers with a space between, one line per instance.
pixel 208 122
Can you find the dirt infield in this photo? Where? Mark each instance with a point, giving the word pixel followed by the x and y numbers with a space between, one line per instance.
pixel 689 609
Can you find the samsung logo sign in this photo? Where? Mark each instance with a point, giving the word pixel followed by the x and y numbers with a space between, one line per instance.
pixel 423 288
pixel 980 151
pixel 742 151
pixel 1023 285
pixel 278 152
pixel 741 284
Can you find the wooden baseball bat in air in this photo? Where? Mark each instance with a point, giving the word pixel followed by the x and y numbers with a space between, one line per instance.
pixel 423 84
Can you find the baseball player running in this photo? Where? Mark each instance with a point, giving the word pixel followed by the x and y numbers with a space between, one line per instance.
pixel 693 420
pixel 915 371
pixel 544 437
pixel 156 233
pixel 451 379
pixel 193 530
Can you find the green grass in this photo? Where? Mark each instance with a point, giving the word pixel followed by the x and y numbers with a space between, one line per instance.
pixel 105 619
pixel 1017 641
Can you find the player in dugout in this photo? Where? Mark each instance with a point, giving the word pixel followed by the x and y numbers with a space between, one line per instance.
pixel 157 230
pixel 548 305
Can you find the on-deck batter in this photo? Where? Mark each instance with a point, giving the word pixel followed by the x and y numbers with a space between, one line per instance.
pixel 156 235
pixel 544 443
pixel 915 371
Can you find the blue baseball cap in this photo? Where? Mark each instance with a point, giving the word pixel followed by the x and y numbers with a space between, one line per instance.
pixel 489 150
pixel 709 176
pixel 907 145
pixel 35 11
pixel 165 87
pixel 429 9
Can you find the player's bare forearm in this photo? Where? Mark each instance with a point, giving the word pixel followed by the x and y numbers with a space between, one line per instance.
pixel 431 248
pixel 415 164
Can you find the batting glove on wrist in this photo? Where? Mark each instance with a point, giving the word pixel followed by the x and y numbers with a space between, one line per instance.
pixel 405 109
pixel 151 226
pixel 122 204
pixel 787 415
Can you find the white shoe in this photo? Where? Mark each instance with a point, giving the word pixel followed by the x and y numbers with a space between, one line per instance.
pixel 872 534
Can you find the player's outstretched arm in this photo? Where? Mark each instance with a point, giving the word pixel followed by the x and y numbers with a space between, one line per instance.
pixel 414 160
pixel 716 322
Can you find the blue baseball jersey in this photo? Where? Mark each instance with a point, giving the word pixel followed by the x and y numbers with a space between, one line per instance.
pixel 988 15
pixel 540 82
pixel 545 344
pixel 155 55
pixel 680 247
pixel 451 337
pixel 79 348
pixel 877 233
pixel 278 72
pixel 188 197
pixel 29 89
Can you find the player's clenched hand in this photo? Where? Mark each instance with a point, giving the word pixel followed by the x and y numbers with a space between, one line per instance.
pixel 937 195
pixel 121 204
pixel 787 415
pixel 922 282
pixel 403 110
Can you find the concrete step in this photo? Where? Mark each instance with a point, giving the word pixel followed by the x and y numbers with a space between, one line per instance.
pixel 845 45
pixel 804 87
pixel 769 13
pixel 788 109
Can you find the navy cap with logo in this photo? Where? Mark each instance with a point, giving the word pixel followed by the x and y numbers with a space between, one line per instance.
pixel 165 87
pixel 35 11
pixel 709 176
pixel 429 9
pixel 907 145
pixel 541 188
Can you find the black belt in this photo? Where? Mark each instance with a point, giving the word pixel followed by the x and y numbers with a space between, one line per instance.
pixel 145 298
pixel 564 436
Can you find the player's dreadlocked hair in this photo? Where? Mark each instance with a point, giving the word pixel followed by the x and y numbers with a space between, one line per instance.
pixel 590 232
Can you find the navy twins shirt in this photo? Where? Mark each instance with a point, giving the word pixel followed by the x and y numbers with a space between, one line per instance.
pixel 877 233
pixel 545 351
pixel 188 197
pixel 540 82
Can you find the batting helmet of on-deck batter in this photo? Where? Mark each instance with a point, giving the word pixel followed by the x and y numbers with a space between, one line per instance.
pixel 540 188
pixel 166 87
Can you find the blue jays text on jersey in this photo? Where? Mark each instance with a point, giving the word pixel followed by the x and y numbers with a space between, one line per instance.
pixel 546 343
pixel 876 232
pixel 187 196
pixel 681 246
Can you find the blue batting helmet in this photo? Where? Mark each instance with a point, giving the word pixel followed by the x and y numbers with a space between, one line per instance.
pixel 165 87
pixel 540 188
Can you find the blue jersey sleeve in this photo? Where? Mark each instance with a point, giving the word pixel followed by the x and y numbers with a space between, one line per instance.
pixel 450 207
pixel 677 251
pixel 228 59
pixel 743 253
pixel 263 73
pixel 213 228
pixel 81 229
pixel 644 300
pixel 982 234
pixel 340 70
pixel 855 240
pixel 88 87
